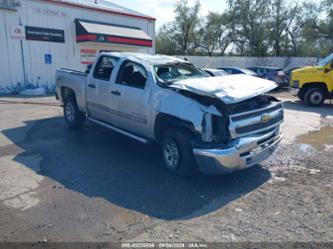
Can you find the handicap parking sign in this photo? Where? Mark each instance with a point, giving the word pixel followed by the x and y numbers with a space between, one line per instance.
pixel 48 58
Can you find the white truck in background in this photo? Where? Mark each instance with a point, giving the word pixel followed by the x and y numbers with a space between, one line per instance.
pixel 215 125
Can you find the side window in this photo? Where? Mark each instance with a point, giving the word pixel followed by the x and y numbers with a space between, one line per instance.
pixel 104 68
pixel 132 74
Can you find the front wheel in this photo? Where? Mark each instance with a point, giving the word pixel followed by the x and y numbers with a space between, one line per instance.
pixel 73 116
pixel 314 97
pixel 177 152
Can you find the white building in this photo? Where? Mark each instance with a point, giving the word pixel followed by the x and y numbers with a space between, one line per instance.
pixel 39 36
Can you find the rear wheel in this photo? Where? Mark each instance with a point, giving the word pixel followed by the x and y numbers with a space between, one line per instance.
pixel 177 152
pixel 73 116
pixel 314 97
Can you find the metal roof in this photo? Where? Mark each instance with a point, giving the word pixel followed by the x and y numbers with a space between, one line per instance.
pixel 103 5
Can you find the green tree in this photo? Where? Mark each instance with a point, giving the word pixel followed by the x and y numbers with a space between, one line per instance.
pixel 282 20
pixel 318 28
pixel 208 34
pixel 249 22
pixel 165 42
pixel 186 25
pixel 181 35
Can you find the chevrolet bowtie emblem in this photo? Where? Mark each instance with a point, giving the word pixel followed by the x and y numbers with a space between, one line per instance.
pixel 265 118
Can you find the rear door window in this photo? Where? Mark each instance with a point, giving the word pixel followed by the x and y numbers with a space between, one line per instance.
pixel 104 68
pixel 132 74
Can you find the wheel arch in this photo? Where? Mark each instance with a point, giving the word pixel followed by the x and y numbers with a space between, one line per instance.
pixel 310 85
pixel 67 92
pixel 164 121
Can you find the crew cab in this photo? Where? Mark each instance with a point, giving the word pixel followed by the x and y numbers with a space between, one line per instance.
pixel 215 125
pixel 314 84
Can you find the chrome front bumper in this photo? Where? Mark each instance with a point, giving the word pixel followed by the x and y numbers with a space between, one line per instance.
pixel 241 154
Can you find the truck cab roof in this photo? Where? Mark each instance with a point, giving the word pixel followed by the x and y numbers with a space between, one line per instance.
pixel 146 58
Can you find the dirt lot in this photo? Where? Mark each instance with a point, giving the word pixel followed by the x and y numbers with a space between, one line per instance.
pixel 59 184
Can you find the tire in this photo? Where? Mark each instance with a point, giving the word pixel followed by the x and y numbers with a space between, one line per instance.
pixel 314 97
pixel 301 95
pixel 177 152
pixel 74 118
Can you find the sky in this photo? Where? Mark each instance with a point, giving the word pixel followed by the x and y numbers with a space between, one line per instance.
pixel 162 10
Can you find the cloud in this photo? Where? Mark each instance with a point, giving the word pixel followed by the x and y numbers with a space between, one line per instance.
pixel 162 10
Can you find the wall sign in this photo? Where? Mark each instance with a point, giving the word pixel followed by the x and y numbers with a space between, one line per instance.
pixel 88 56
pixel 17 31
pixel 44 34
pixel 48 58
pixel 49 12
pixel 9 4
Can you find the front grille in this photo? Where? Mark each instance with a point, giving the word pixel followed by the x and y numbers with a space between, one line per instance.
pixel 257 121
pixel 259 126
pixel 254 114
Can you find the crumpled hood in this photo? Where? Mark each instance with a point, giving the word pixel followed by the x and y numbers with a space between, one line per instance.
pixel 230 88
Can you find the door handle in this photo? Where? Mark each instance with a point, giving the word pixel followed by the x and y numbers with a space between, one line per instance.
pixel 91 86
pixel 115 93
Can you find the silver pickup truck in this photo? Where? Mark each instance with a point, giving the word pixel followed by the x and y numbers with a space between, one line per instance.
pixel 215 125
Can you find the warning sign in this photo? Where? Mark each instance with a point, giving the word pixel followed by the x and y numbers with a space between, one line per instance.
pixel 88 56
pixel 17 31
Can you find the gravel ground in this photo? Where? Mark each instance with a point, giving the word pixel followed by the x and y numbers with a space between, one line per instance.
pixel 59 184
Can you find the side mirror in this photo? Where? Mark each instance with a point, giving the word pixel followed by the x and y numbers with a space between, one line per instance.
pixel 88 68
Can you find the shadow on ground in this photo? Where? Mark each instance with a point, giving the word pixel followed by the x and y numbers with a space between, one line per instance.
pixel 325 110
pixel 99 163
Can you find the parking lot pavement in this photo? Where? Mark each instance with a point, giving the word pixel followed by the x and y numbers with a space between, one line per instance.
pixel 59 184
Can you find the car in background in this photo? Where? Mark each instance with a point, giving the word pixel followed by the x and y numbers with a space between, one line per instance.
pixel 289 70
pixel 215 72
pixel 272 73
pixel 238 70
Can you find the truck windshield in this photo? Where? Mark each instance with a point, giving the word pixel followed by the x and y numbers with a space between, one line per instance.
pixel 325 61
pixel 172 72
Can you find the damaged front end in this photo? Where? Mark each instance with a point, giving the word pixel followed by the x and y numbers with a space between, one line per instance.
pixel 236 136
pixel 236 125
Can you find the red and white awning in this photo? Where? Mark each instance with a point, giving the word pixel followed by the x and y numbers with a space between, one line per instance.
pixel 87 31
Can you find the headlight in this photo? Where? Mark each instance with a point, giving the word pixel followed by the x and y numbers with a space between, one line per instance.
pixel 207 128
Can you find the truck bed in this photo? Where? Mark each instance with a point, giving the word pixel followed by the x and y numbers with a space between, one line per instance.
pixel 71 71
pixel 73 80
